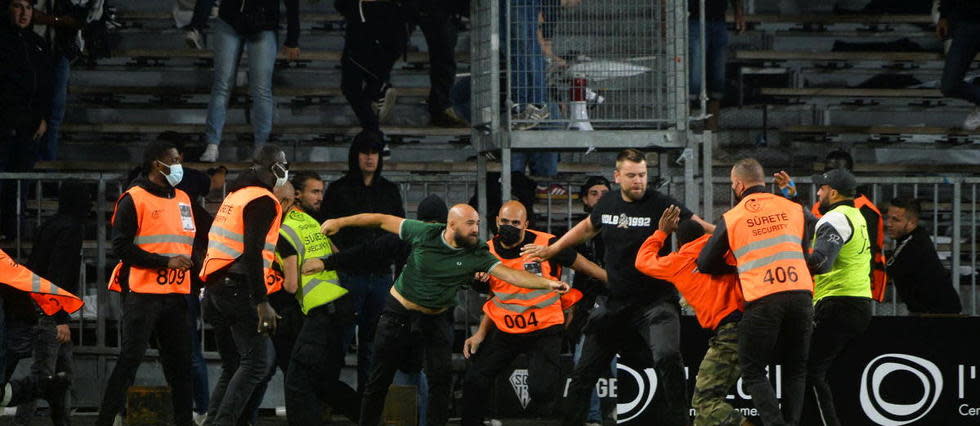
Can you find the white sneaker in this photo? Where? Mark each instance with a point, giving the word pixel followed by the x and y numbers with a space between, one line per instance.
pixel 972 121
pixel 210 154
pixel 385 102
pixel 529 117
pixel 199 419
pixel 194 39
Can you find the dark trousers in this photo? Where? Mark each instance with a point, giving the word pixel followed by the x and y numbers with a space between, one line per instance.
pixel 542 347
pixel 199 367
pixel 653 331
pixel 962 50
pixel 404 341
pixel 50 357
pixel 165 316
pixel 370 51
pixel 367 294
pixel 438 25
pixel 317 358
pixel 287 329
pixel 784 320
pixel 230 308
pixel 18 153
pixel 838 321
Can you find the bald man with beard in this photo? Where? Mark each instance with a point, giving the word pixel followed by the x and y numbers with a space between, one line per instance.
pixel 519 320
pixel 414 321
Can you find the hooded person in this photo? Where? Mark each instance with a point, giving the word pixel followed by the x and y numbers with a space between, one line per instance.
pixel 25 101
pixel 363 190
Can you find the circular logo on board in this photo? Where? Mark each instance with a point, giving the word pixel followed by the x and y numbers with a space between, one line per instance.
pixel 887 413
pixel 753 205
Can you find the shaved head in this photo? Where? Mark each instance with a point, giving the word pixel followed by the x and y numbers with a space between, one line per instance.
pixel 746 173
pixel 513 211
pixel 286 196
pixel 749 171
pixel 463 226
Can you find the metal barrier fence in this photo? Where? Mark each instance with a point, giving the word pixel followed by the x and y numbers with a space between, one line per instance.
pixel 949 212
pixel 579 64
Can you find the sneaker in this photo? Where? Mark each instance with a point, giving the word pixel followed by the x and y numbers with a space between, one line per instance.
pixel 972 121
pixel 194 39
pixel 210 154
pixel 448 118
pixel 385 102
pixel 553 191
pixel 386 152
pixel 529 117
pixel 200 418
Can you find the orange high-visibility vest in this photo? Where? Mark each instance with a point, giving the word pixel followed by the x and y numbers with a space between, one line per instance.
pixel 226 241
pixel 765 233
pixel 165 226
pixel 518 310
pixel 49 297
pixel 879 278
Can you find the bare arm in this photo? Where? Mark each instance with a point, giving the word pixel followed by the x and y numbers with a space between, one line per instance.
pixel 366 220
pixel 525 279
pixel 581 233
pixel 589 268
pixel 290 270
pixel 708 228
pixel 472 344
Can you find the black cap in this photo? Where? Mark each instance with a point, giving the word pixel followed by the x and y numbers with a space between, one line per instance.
pixel 593 181
pixel 368 140
pixel 841 180
pixel 432 209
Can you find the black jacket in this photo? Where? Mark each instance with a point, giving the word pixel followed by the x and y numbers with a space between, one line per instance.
pixel 922 281
pixel 57 254
pixel 960 10
pixel 252 16
pixel 25 77
pixel 349 196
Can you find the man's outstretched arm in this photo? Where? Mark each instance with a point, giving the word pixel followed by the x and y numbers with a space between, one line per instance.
pixel 365 220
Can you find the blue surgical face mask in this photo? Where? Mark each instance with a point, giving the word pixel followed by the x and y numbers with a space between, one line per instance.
pixel 176 173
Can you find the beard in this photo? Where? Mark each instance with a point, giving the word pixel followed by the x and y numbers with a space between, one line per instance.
pixel 462 240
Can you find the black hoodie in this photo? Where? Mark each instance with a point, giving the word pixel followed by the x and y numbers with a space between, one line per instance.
pixel 25 76
pixel 960 10
pixel 349 196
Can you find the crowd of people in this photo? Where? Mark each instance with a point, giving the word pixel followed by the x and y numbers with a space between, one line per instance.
pixel 290 269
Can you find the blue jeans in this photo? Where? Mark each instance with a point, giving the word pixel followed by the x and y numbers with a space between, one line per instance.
pixel 716 34
pixel 228 46
pixel 528 85
pixel 48 149
pixel 199 368
pixel 595 409
pixel 369 292
pixel 421 383
pixel 541 163
pixel 965 45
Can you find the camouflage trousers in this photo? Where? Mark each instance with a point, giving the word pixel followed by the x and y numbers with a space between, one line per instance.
pixel 718 373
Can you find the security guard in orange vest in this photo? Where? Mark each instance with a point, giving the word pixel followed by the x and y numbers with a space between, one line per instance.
pixel 238 272
pixel 519 320
pixel 50 299
pixel 767 234
pixel 153 234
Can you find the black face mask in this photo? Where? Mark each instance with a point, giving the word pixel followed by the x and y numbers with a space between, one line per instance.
pixel 508 234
